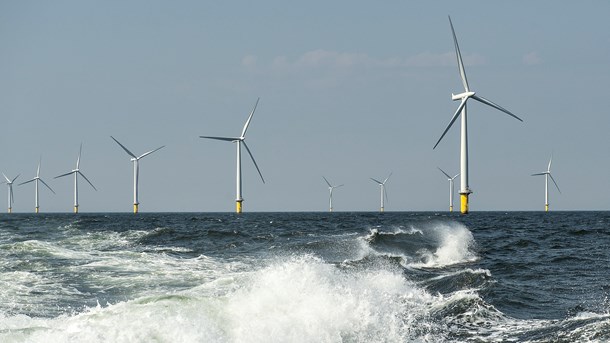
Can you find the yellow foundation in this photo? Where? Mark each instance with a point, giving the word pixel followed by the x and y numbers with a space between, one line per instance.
pixel 238 206
pixel 75 209
pixel 135 208
pixel 464 203
pixel 382 209
pixel 10 210
pixel 37 210
pixel 546 207
pixel 450 208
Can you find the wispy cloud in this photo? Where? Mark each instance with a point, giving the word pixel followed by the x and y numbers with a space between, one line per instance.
pixel 326 59
pixel 532 58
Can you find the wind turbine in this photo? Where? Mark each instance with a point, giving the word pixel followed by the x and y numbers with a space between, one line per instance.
pixel 11 199
pixel 36 179
pixel 547 174
pixel 463 97
pixel 384 195
pixel 136 171
pixel 330 189
pixel 450 179
pixel 239 141
pixel 76 172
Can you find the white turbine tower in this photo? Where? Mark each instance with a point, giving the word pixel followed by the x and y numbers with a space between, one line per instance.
pixel 330 189
pixel 450 179
pixel 463 97
pixel 384 194
pixel 11 199
pixel 36 179
pixel 76 172
pixel 547 174
pixel 136 171
pixel 239 141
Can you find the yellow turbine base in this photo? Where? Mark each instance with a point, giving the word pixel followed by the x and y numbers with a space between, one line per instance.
pixel 330 209
pixel 464 203
pixel 381 210
pixel 75 209
pixel 546 207
pixel 135 208
pixel 238 206
pixel 450 208
pixel 10 210
pixel 37 210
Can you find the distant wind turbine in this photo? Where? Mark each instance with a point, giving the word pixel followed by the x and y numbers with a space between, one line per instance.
pixel 330 189
pixel 239 141
pixel 11 199
pixel 36 179
pixel 467 94
pixel 136 171
pixel 450 179
pixel 384 194
pixel 76 172
pixel 547 174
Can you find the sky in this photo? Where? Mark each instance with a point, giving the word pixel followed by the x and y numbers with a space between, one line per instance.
pixel 349 90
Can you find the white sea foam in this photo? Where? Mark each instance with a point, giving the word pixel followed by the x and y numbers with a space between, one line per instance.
pixel 454 245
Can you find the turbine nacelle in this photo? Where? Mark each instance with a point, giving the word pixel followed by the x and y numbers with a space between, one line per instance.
pixel 461 96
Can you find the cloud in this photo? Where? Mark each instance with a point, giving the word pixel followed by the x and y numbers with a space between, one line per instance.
pixel 326 59
pixel 531 59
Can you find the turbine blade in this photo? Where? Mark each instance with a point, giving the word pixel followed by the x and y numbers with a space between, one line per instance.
pixel 150 152
pixel 379 182
pixel 12 196
pixel 228 139
pixel 555 182
pixel 15 178
pixel 7 179
pixel 341 185
pixel 455 116
pixel 328 183
pixel 41 180
pixel 253 160
pixel 83 175
pixel 387 178
pixel 537 174
pixel 243 132
pixel 66 174
pixel 79 153
pixel 453 178
pixel 38 170
pixel 385 192
pixel 124 148
pixel 459 59
pixel 496 106
pixel 549 167
pixel 28 181
pixel 442 171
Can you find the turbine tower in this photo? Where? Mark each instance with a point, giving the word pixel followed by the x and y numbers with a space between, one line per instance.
pixel 239 141
pixel 463 97
pixel 384 194
pixel 36 179
pixel 76 172
pixel 547 174
pixel 136 171
pixel 450 179
pixel 330 189
pixel 11 199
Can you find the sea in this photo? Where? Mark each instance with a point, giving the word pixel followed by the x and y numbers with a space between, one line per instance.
pixel 305 277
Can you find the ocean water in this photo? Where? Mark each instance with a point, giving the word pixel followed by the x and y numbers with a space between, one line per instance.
pixel 305 277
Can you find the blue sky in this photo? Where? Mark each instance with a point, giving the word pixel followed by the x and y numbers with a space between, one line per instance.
pixel 349 90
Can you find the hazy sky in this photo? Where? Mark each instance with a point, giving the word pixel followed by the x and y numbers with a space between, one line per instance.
pixel 349 90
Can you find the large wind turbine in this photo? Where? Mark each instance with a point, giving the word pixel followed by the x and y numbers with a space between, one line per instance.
pixel 450 179
pixel 136 171
pixel 239 141
pixel 547 174
pixel 463 97
pixel 36 179
pixel 384 195
pixel 330 189
pixel 11 199
pixel 76 172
